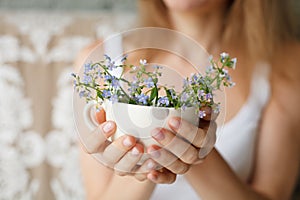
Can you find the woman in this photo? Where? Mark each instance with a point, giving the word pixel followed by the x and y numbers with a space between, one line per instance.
pixel 258 156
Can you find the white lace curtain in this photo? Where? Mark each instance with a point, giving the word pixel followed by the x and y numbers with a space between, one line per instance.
pixel 38 151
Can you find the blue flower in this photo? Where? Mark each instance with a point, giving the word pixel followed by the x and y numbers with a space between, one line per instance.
pixel 149 83
pixel 133 87
pixel 202 113
pixel 201 93
pixel 194 79
pixel 109 62
pixel 107 77
pixel 106 93
pixel 184 97
pixel 87 79
pixel 114 98
pixel 87 67
pixel 111 65
pixel 208 96
pixel 209 69
pixel 82 94
pixel 173 95
pixel 163 101
pixel 115 83
pixel 142 98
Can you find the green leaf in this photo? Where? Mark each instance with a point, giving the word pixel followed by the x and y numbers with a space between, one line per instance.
pixel 99 94
pixel 154 93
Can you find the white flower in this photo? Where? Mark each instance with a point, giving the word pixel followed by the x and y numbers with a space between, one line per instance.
pixel 225 71
pixel 143 62
pixel 224 55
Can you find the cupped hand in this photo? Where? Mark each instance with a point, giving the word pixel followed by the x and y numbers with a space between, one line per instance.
pixel 122 154
pixel 181 146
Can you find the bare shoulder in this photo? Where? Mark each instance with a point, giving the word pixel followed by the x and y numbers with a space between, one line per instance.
pixel 286 62
pixel 286 79
pixel 84 53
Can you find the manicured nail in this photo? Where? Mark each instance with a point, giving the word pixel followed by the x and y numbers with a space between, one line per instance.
pixel 135 151
pixel 158 134
pixel 154 153
pixel 150 165
pixel 152 177
pixel 174 122
pixel 107 127
pixel 127 142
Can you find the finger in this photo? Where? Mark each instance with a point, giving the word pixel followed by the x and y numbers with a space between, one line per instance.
pixel 117 149
pixel 167 159
pixel 129 160
pixel 100 116
pixel 179 147
pixel 94 140
pixel 146 167
pixel 188 131
pixel 163 177
pixel 209 141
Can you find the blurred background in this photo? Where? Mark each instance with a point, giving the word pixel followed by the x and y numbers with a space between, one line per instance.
pixel 39 41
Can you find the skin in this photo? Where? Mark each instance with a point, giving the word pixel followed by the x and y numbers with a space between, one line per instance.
pixel 277 156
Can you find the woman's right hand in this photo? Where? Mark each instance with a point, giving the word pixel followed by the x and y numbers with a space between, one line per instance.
pixel 122 154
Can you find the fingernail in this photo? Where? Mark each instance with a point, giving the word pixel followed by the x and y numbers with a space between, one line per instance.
pixel 152 177
pixel 135 151
pixel 150 165
pixel 157 134
pixel 127 142
pixel 175 123
pixel 154 153
pixel 107 127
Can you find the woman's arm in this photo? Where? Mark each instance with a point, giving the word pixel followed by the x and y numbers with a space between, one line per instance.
pixel 277 155
pixel 102 183
pixel 275 172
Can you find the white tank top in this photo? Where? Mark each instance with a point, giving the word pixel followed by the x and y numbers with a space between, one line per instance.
pixel 236 145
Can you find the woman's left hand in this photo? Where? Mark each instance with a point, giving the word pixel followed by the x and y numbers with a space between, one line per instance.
pixel 181 146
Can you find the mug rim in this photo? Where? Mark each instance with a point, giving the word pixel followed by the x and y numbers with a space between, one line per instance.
pixel 149 107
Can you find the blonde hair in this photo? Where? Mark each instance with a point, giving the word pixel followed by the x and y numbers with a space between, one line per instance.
pixel 259 26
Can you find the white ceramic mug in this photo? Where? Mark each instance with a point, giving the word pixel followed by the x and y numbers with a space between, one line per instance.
pixel 137 120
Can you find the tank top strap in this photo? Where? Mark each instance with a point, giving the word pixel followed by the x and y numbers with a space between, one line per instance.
pixel 113 47
pixel 260 89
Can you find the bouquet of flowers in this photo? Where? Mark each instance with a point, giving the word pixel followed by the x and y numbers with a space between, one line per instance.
pixel 98 84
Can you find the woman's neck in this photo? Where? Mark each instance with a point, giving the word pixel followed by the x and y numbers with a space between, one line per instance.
pixel 206 28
